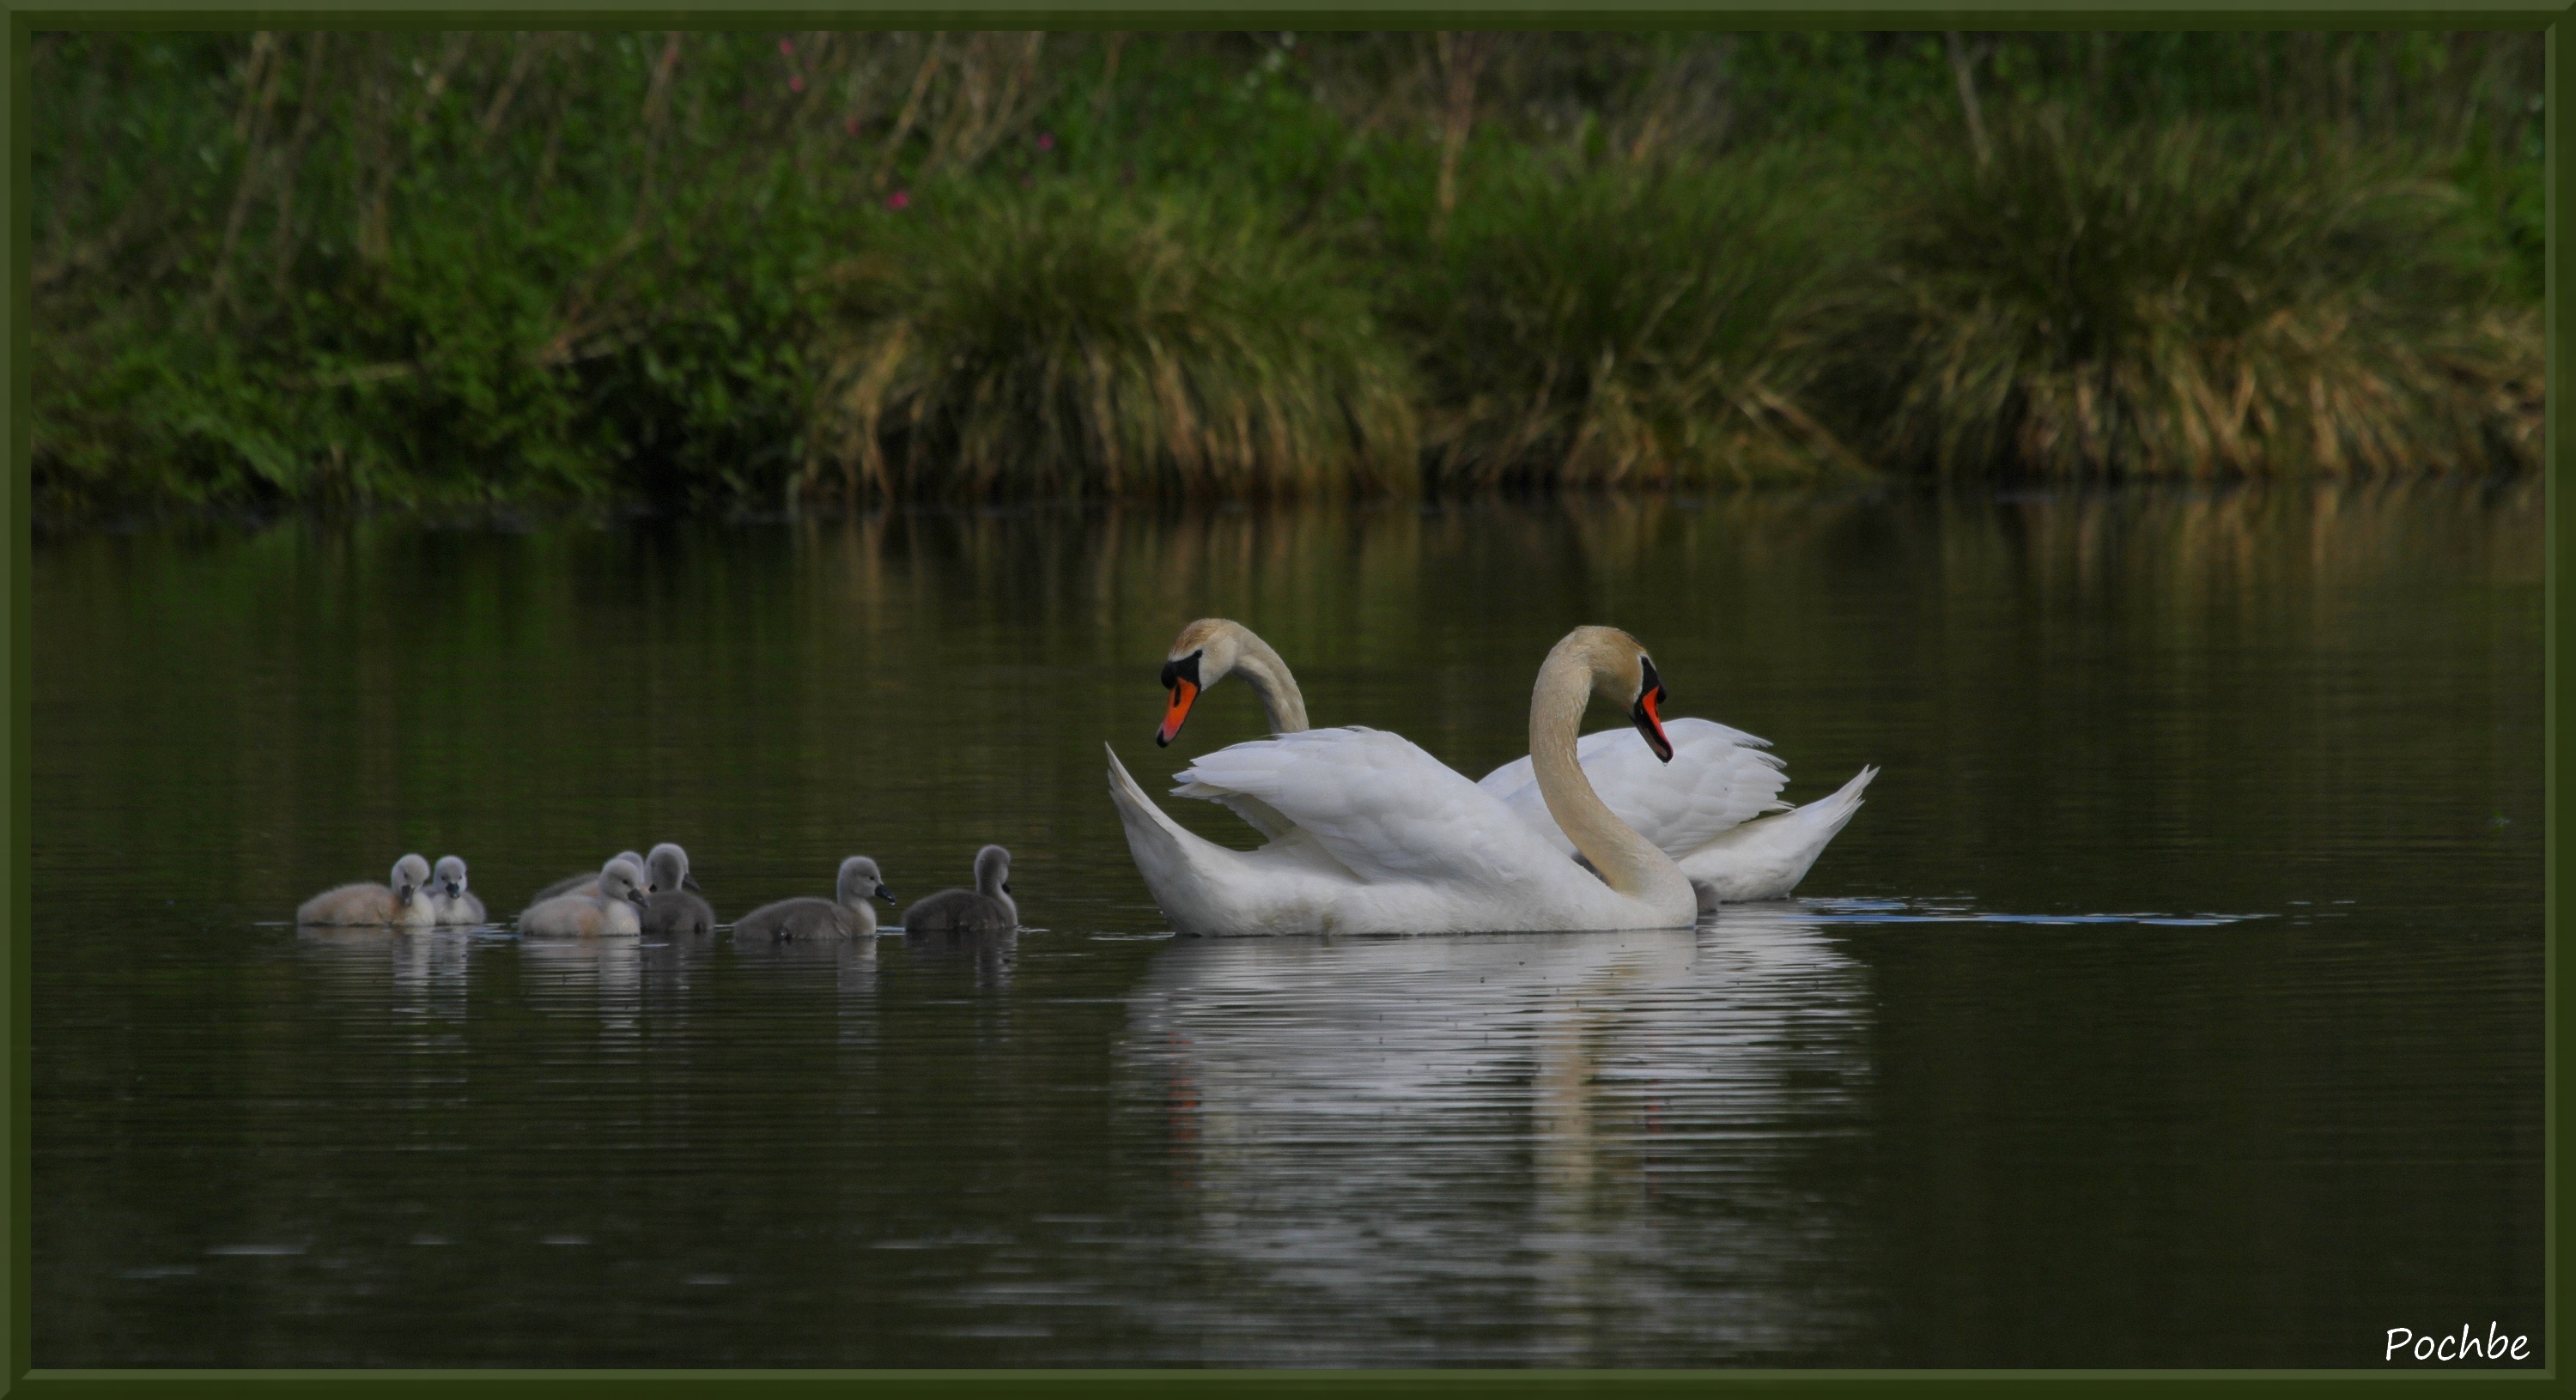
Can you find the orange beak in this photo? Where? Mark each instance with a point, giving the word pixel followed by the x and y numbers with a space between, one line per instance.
pixel 1650 722
pixel 1177 713
pixel 1655 724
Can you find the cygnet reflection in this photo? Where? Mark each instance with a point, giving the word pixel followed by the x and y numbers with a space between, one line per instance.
pixel 990 954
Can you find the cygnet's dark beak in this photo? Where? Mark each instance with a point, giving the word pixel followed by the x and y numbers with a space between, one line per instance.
pixel 455 888
pixel 637 898
pixel 1006 887
pixel 402 896
pixel 885 894
pixel 689 882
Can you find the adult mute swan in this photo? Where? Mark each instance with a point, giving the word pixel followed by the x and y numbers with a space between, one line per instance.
pixel 1375 836
pixel 1700 807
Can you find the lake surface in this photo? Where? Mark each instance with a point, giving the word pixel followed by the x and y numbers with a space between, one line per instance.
pixel 2175 1000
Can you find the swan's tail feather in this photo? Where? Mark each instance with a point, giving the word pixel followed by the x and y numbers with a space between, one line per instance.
pixel 1180 869
pixel 1831 813
pixel 1148 828
pixel 1767 857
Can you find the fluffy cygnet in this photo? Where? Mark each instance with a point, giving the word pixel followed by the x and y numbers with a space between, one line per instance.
pixel 405 903
pixel 582 884
pixel 846 914
pixel 671 908
pixel 616 909
pixel 987 908
pixel 447 893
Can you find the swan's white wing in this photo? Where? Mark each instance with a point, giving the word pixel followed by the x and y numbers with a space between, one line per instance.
pixel 1720 777
pixel 1766 859
pixel 1258 815
pixel 1378 804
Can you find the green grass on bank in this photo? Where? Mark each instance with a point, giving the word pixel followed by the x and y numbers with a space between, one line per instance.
pixel 2181 300
pixel 743 269
pixel 1627 326
pixel 1080 340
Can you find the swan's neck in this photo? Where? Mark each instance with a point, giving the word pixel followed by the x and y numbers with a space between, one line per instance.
pixel 1628 862
pixel 1267 674
pixel 992 889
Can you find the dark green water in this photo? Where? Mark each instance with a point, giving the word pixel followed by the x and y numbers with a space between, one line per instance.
pixel 2175 1000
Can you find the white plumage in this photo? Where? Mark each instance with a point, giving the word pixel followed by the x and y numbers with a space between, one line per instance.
pixel 1706 808
pixel 1372 835
pixel 1719 778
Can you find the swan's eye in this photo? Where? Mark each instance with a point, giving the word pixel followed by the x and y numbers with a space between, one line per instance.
pixel 1185 669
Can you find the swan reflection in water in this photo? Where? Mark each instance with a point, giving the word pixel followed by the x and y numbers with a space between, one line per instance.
pixel 1605 1145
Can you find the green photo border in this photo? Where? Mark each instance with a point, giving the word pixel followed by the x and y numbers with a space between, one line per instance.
pixel 15 972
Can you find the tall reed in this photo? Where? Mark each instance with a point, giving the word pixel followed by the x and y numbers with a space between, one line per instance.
pixel 1623 326
pixel 1075 340
pixel 2183 299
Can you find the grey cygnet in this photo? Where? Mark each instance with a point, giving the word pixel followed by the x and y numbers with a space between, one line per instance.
pixel 987 908
pixel 672 908
pixel 846 914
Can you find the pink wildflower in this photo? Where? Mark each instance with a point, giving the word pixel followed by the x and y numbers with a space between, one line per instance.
pixel 787 46
pixel 1046 140
pixel 850 125
pixel 899 199
pixel 796 84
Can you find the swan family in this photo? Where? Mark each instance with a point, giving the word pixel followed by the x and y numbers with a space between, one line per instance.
pixel 1639 827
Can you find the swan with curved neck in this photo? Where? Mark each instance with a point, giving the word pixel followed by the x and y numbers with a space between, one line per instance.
pixel 1703 805
pixel 1377 836
pixel 1605 661
pixel 1209 650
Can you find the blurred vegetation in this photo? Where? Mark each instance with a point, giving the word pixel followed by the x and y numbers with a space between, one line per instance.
pixel 1628 325
pixel 716 271
pixel 1080 340
pixel 2182 299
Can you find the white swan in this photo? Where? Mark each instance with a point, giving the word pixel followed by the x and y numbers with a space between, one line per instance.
pixel 1700 808
pixel 1372 835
